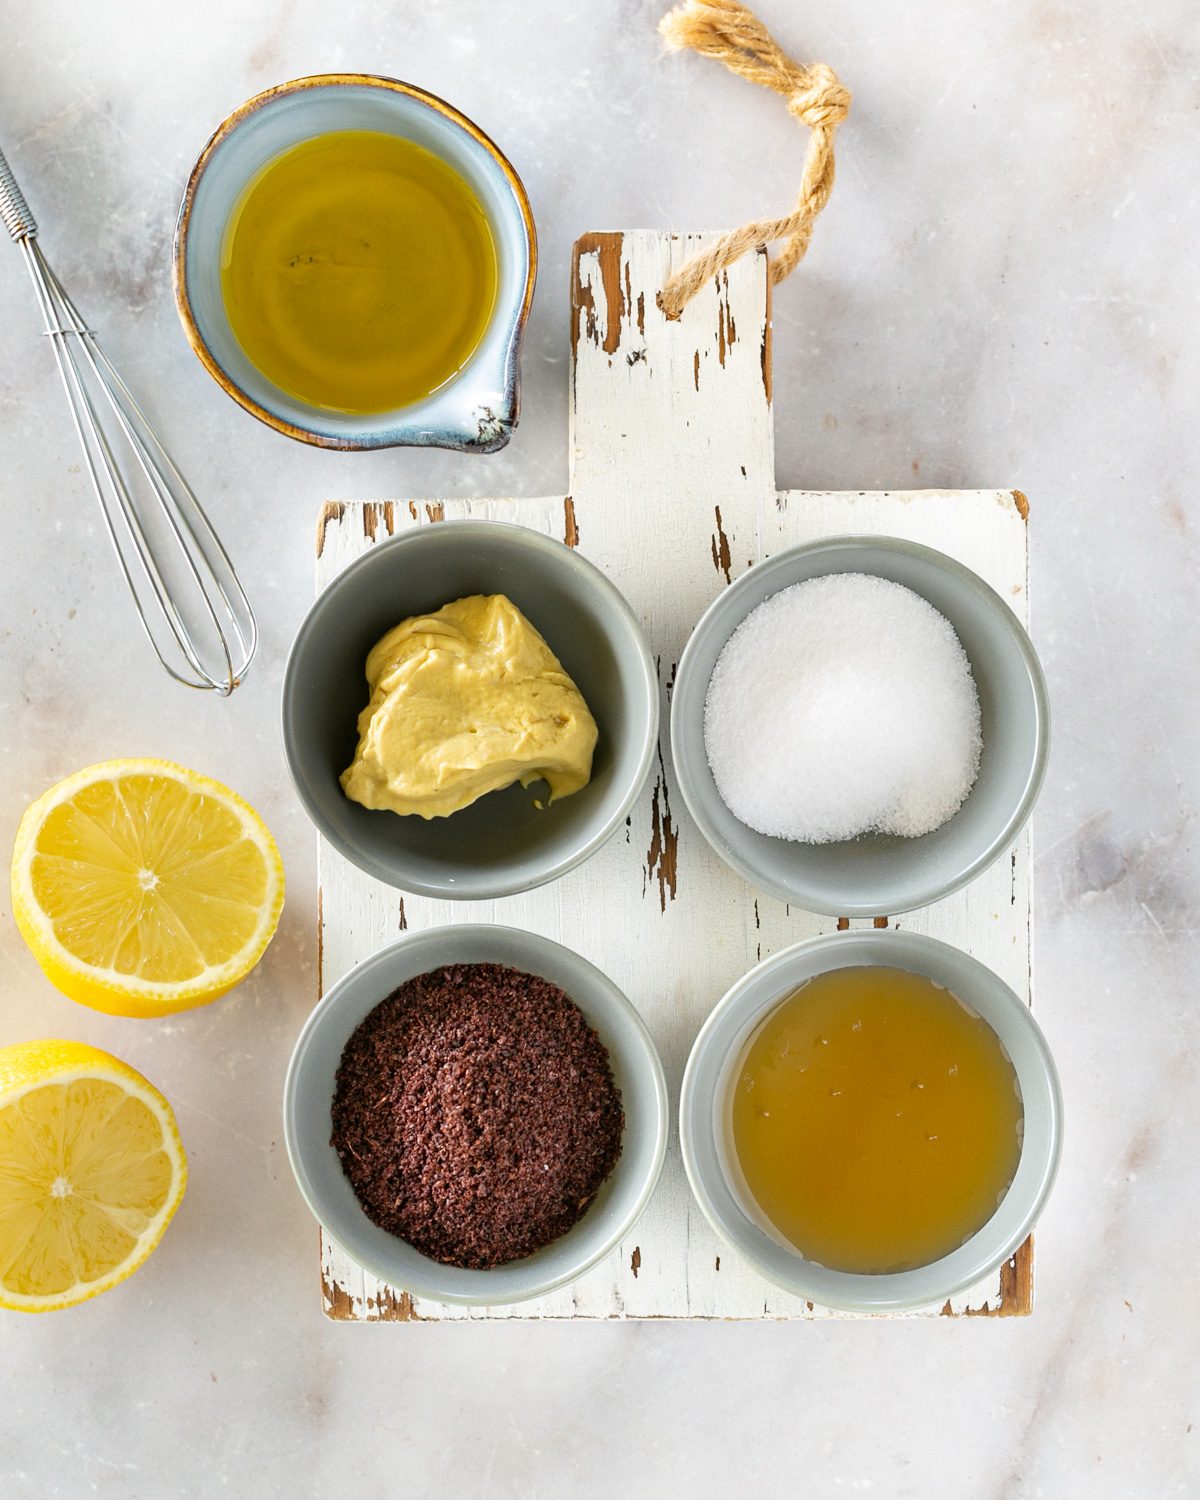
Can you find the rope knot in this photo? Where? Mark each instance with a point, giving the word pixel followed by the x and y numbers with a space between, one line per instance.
pixel 728 32
pixel 821 98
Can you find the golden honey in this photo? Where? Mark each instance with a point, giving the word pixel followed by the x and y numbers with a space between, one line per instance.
pixel 876 1120
pixel 358 271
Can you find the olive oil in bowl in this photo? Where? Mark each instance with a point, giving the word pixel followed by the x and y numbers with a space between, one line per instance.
pixel 358 272
pixel 875 1120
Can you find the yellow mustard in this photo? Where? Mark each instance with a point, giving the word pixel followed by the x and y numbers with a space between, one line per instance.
pixel 465 701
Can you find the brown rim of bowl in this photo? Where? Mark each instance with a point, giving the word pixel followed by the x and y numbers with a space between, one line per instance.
pixel 227 125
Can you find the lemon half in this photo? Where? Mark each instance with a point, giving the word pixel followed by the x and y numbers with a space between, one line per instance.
pixel 144 888
pixel 91 1171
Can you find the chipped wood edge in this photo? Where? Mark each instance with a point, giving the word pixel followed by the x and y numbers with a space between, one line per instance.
pixel 607 247
pixel 379 517
pixel 1016 1289
pixel 332 510
pixel 390 1306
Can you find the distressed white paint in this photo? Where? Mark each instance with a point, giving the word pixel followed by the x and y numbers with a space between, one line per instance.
pixel 671 424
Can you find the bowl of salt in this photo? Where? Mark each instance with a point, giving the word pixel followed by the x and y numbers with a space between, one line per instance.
pixel 860 726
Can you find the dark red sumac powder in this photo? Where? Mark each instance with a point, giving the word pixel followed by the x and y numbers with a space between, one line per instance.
pixel 475 1114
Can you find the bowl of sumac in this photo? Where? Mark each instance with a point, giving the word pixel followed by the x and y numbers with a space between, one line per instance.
pixel 476 1115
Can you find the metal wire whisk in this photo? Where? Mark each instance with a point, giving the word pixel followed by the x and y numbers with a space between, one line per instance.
pixel 189 600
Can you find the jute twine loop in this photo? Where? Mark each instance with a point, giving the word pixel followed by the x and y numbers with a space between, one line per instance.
pixel 731 34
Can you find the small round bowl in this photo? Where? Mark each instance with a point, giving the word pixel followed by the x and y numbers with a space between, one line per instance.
pixel 878 875
pixel 503 843
pixel 704 1119
pixel 477 410
pixel 637 1071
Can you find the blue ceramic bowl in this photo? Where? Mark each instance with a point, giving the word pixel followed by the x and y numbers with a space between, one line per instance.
pixel 477 410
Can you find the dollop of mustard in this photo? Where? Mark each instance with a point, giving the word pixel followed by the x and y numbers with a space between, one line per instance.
pixel 465 701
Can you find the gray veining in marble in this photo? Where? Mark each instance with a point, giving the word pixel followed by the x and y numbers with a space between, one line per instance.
pixel 1003 292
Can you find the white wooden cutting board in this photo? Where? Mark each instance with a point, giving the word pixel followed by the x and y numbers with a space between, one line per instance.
pixel 673 495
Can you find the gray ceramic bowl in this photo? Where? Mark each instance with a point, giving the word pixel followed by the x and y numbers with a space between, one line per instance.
pixel 704 1120
pixel 308 1094
pixel 878 875
pixel 476 410
pixel 503 843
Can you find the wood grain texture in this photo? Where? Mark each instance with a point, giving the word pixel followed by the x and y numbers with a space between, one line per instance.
pixel 672 493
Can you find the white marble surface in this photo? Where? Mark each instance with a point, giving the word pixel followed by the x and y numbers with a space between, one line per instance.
pixel 1003 293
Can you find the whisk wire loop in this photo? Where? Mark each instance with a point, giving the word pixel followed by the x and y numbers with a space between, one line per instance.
pixel 189 600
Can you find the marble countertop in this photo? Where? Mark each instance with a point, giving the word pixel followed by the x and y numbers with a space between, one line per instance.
pixel 1003 291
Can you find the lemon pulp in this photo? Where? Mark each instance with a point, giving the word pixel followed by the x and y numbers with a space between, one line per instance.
pixel 91 1170
pixel 142 887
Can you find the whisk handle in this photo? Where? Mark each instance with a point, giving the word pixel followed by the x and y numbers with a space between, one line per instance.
pixel 18 220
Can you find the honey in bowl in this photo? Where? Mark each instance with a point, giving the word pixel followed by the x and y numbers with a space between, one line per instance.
pixel 876 1120
pixel 358 271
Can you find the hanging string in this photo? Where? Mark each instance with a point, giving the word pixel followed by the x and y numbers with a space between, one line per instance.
pixel 733 35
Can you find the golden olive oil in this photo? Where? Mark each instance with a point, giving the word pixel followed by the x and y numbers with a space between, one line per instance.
pixel 876 1120
pixel 358 271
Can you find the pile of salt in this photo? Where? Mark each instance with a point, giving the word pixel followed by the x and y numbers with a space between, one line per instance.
pixel 841 706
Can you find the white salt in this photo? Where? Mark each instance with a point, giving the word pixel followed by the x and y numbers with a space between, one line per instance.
pixel 841 706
